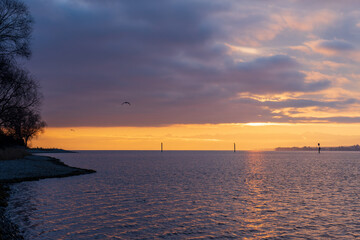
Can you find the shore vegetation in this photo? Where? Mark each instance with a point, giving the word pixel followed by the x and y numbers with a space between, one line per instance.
pixel 20 98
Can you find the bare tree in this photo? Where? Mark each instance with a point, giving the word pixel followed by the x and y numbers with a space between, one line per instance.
pixel 17 91
pixel 24 125
pixel 32 125
pixel 15 29
pixel 19 103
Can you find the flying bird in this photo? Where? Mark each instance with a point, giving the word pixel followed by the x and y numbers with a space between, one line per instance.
pixel 126 103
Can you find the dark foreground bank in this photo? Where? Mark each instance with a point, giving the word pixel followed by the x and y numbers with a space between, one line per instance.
pixel 30 168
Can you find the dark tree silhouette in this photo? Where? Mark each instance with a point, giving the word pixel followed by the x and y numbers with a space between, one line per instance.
pixel 24 125
pixel 32 125
pixel 15 29
pixel 19 93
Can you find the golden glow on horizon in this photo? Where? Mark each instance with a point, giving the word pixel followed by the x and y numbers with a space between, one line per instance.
pixel 247 136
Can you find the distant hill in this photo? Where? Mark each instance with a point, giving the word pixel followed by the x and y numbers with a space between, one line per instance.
pixel 48 150
pixel 305 148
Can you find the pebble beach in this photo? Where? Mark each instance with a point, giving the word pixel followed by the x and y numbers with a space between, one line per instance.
pixel 30 168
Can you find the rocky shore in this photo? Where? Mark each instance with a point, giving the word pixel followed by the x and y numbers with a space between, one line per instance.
pixel 30 168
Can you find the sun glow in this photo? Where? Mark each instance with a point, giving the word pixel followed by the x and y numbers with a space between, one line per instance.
pixel 247 136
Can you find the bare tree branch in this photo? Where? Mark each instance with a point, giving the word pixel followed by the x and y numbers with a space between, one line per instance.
pixel 19 92
pixel 15 29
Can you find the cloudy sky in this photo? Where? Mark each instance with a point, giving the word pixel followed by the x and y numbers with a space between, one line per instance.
pixel 196 62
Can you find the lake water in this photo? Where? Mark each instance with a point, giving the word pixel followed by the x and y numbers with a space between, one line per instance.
pixel 195 195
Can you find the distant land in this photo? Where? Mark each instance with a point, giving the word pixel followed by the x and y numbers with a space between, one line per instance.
pixel 48 150
pixel 305 148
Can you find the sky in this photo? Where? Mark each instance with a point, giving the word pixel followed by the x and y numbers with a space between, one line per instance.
pixel 199 74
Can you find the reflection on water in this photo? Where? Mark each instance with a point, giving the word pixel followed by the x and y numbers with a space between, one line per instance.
pixel 258 207
pixel 177 195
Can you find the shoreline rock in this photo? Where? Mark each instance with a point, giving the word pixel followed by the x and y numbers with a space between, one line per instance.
pixel 30 168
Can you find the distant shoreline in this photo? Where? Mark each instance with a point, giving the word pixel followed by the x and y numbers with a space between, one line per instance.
pixel 306 148
pixel 48 150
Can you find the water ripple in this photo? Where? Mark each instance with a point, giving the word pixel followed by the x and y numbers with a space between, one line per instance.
pixel 195 195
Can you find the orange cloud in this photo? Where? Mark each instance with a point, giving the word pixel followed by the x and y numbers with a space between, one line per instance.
pixel 304 22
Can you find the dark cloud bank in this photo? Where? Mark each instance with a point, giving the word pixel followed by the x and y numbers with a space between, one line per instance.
pixel 168 58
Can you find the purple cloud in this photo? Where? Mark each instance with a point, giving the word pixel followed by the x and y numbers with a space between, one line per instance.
pixel 336 45
pixel 170 59
pixel 275 74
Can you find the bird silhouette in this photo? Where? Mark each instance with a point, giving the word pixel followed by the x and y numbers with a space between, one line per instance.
pixel 126 103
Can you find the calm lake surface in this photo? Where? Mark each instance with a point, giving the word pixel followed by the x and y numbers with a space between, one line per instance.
pixel 195 195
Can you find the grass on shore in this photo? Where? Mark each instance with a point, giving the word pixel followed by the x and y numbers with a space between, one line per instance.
pixel 12 153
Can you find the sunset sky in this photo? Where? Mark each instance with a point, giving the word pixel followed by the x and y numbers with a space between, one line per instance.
pixel 199 74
